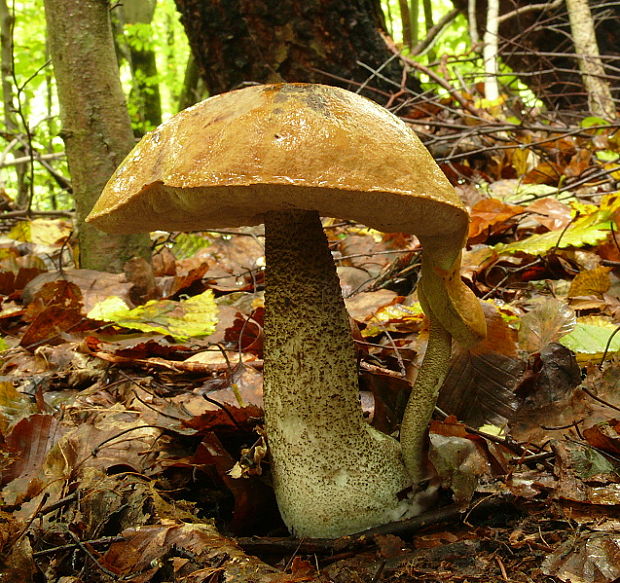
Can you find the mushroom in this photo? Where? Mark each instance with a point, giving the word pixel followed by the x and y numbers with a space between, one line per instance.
pixel 284 155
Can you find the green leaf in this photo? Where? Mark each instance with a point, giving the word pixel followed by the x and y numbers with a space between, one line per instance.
pixel 188 244
pixel 589 339
pixel 587 230
pixel 588 463
pixel 607 155
pixel 196 316
pixel 588 122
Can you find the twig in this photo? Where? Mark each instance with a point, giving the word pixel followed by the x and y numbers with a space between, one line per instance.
pixel 364 539
pixel 373 253
pixel 439 80
pixel 385 372
pixel 59 503
pixel 26 159
pixel 24 213
pixel 92 557
pixel 104 540
pixel 530 8
pixel 602 401
pixel 96 449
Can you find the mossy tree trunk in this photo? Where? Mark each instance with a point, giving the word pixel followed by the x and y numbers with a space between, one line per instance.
pixel 335 42
pixel 600 99
pixel 96 127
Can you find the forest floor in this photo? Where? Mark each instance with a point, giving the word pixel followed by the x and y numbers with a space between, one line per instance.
pixel 120 421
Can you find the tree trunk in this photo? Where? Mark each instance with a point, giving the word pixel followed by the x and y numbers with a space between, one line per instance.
pixel 144 98
pixel 193 89
pixel 586 47
pixel 414 12
pixel 472 24
pixel 96 127
pixel 535 39
pixel 405 19
pixel 489 51
pixel 336 42
pixel 11 124
pixel 429 22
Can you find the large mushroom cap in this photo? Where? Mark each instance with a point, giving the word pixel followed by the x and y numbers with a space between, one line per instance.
pixel 229 159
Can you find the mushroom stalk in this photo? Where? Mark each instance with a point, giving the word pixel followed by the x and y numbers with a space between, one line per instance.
pixel 333 474
pixel 423 397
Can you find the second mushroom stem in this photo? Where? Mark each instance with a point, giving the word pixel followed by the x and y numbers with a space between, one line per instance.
pixel 419 410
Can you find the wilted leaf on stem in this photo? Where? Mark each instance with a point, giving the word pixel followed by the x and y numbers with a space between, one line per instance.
pixel 547 321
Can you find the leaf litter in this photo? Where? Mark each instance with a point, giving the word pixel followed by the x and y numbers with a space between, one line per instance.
pixel 124 430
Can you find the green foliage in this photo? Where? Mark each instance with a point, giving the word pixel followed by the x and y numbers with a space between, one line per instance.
pixel 34 101
pixel 461 64
pixel 188 244
pixel 592 121
pixel 454 40
pixel 172 54
pixel 35 86
pixel 139 36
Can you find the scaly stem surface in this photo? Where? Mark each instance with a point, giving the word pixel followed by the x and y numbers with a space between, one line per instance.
pixel 333 474
pixel 424 396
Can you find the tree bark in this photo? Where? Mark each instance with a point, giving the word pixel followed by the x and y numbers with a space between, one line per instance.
pixel 193 86
pixel 429 22
pixel 414 11
pixel 472 24
pixel 336 42
pixel 586 47
pixel 96 127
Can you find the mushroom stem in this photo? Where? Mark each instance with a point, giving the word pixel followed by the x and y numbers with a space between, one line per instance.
pixel 333 474
pixel 423 396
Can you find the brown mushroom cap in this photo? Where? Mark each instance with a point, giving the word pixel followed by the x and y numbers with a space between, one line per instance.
pixel 229 159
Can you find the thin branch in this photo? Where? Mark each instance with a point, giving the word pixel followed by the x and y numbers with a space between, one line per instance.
pixel 530 8
pixel 25 213
pixel 443 83
pixel 435 31
pixel 26 159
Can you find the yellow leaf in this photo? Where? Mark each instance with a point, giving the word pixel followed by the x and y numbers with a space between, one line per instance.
pixel 593 282
pixel 47 232
pixel 196 316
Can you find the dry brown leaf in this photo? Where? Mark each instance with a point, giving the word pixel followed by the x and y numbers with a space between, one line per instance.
pixel 593 282
pixel 491 216
pixel 551 213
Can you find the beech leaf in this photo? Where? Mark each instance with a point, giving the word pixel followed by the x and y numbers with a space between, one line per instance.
pixel 590 337
pixel 196 316
pixel 587 230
